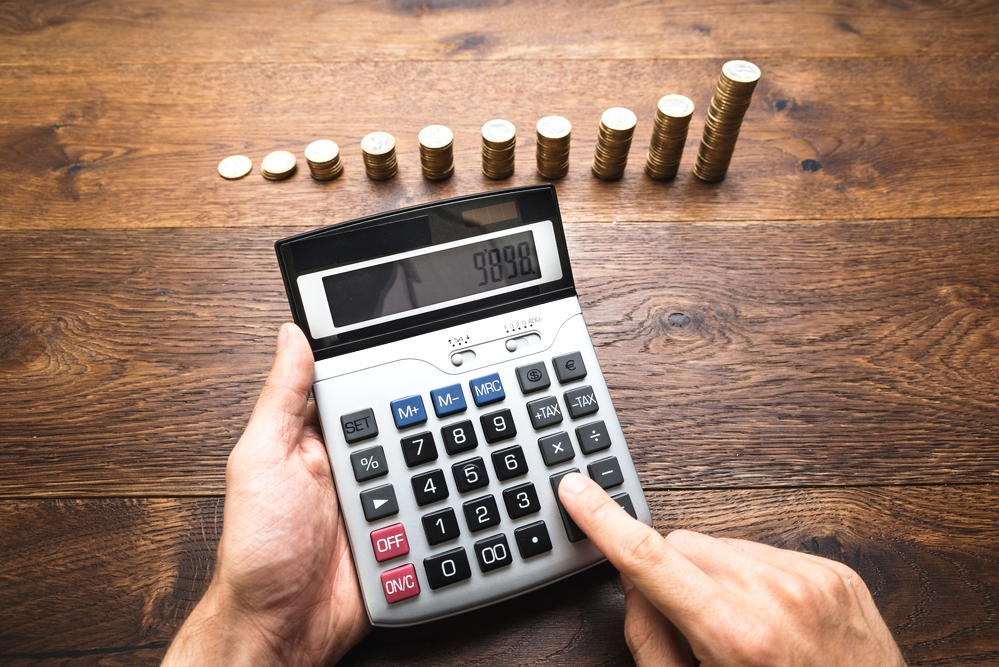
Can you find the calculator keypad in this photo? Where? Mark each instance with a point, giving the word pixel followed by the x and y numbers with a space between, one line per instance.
pixel 389 542
pixel 569 367
pixel 572 531
pixel 486 390
pixel 533 539
pixel 556 448
pixel 533 377
pixel 359 425
pixel 408 411
pixel 593 437
pixel 606 472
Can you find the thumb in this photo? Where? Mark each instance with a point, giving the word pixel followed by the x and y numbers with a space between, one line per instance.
pixel 279 416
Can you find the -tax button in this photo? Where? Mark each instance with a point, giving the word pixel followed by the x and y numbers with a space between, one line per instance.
pixel 390 542
pixel 400 583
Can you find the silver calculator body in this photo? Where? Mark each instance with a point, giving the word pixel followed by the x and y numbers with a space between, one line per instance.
pixel 456 383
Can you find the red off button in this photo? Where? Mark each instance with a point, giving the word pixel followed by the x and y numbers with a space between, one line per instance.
pixel 400 583
pixel 389 542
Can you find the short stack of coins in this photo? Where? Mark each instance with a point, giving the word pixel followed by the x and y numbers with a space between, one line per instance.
pixel 732 96
pixel 378 151
pixel 499 140
pixel 437 152
pixel 617 128
pixel 554 133
pixel 278 165
pixel 668 137
pixel 323 157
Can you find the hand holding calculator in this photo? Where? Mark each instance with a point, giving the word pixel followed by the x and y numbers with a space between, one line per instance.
pixel 456 385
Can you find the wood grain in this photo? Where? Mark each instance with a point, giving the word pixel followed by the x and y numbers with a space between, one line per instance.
pixel 931 568
pixel 314 31
pixel 762 355
pixel 137 146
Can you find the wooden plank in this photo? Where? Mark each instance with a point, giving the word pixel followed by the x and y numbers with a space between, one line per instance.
pixel 138 146
pixel 763 355
pixel 927 554
pixel 313 31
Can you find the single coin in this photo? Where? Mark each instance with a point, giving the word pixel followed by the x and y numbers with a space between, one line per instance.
pixel 279 163
pixel 377 143
pixel 321 151
pixel 235 166
pixel 741 71
pixel 554 127
pixel 499 131
pixel 619 119
pixel 435 136
pixel 676 106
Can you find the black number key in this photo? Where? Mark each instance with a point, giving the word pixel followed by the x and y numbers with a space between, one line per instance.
pixel 493 553
pixel 447 568
pixel 470 475
pixel 430 487
pixel 509 463
pixel 481 513
pixel 498 426
pixel 533 539
pixel 521 500
pixel 459 437
pixel 419 448
pixel 441 526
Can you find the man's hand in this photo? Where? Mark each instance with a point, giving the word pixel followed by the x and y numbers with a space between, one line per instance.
pixel 730 602
pixel 284 590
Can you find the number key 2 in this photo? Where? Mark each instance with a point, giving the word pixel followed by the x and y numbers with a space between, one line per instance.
pixel 481 513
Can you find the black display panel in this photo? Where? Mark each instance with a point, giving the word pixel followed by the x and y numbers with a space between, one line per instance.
pixel 406 284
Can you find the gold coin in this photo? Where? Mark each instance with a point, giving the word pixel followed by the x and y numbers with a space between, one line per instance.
pixel 741 71
pixel 322 151
pixel 377 143
pixel 235 166
pixel 435 136
pixel 278 165
pixel 554 127
pixel 676 106
pixel 499 131
pixel 619 119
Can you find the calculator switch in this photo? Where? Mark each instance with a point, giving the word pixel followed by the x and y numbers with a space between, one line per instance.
pixel 470 475
pixel 441 526
pixel 521 500
pixel 379 502
pixel 359 425
pixel 459 437
pixel 389 542
pixel 486 390
pixel 497 426
pixel 400 583
pixel 581 402
pixel 369 463
pixel 430 487
pixel 606 472
pixel 624 500
pixel 493 553
pixel 418 449
pixel 481 513
pixel 509 463
pixel 533 539
pixel 448 400
pixel 533 377
pixel 569 367
pixel 544 412
pixel 556 448
pixel 572 531
pixel 447 568
pixel 408 411
pixel 593 437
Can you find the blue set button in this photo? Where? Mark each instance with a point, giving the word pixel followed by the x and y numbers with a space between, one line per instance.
pixel 408 411
pixel 448 400
pixel 487 389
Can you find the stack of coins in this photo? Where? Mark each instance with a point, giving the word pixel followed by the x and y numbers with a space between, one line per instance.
pixel 378 151
pixel 554 133
pixel 437 152
pixel 278 165
pixel 668 137
pixel 235 166
pixel 617 127
pixel 721 127
pixel 323 157
pixel 499 140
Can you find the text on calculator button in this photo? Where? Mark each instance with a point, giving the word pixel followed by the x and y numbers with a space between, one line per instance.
pixel 486 390
pixel 447 568
pixel 359 425
pixel 569 367
pixel 581 402
pixel 556 448
pixel 408 411
pixel 379 502
pixel 389 542
pixel 544 412
pixel 448 400
pixel 400 583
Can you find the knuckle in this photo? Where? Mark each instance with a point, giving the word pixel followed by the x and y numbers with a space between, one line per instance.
pixel 797 592
pixel 759 647
pixel 638 632
pixel 640 547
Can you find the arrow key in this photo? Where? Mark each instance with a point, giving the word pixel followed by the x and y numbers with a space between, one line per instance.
pixel 379 502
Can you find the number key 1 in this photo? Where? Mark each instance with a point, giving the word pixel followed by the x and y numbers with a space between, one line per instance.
pixel 441 526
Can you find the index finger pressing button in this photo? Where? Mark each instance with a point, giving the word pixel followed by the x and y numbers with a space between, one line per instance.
pixel 572 531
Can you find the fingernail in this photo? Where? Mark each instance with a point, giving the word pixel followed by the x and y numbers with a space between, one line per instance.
pixel 626 584
pixel 572 483
pixel 282 338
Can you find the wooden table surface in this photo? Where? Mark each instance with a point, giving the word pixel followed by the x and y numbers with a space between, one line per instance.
pixel 806 354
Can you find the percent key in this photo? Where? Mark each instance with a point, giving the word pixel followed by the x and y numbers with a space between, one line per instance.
pixel 369 463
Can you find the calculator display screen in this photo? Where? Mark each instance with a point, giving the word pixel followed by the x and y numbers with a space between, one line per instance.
pixel 431 278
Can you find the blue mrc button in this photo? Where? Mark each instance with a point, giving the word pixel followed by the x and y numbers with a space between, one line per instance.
pixel 408 411
pixel 487 390
pixel 448 400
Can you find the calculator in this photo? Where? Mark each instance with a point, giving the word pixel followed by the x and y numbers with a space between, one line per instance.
pixel 456 385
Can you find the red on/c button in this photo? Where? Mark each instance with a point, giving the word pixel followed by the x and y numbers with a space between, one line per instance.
pixel 400 583
pixel 389 542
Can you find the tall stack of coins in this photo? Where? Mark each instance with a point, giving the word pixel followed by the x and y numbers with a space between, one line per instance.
pixel 721 127
pixel 323 157
pixel 499 140
pixel 278 165
pixel 378 151
pixel 668 137
pixel 437 152
pixel 617 127
pixel 554 133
